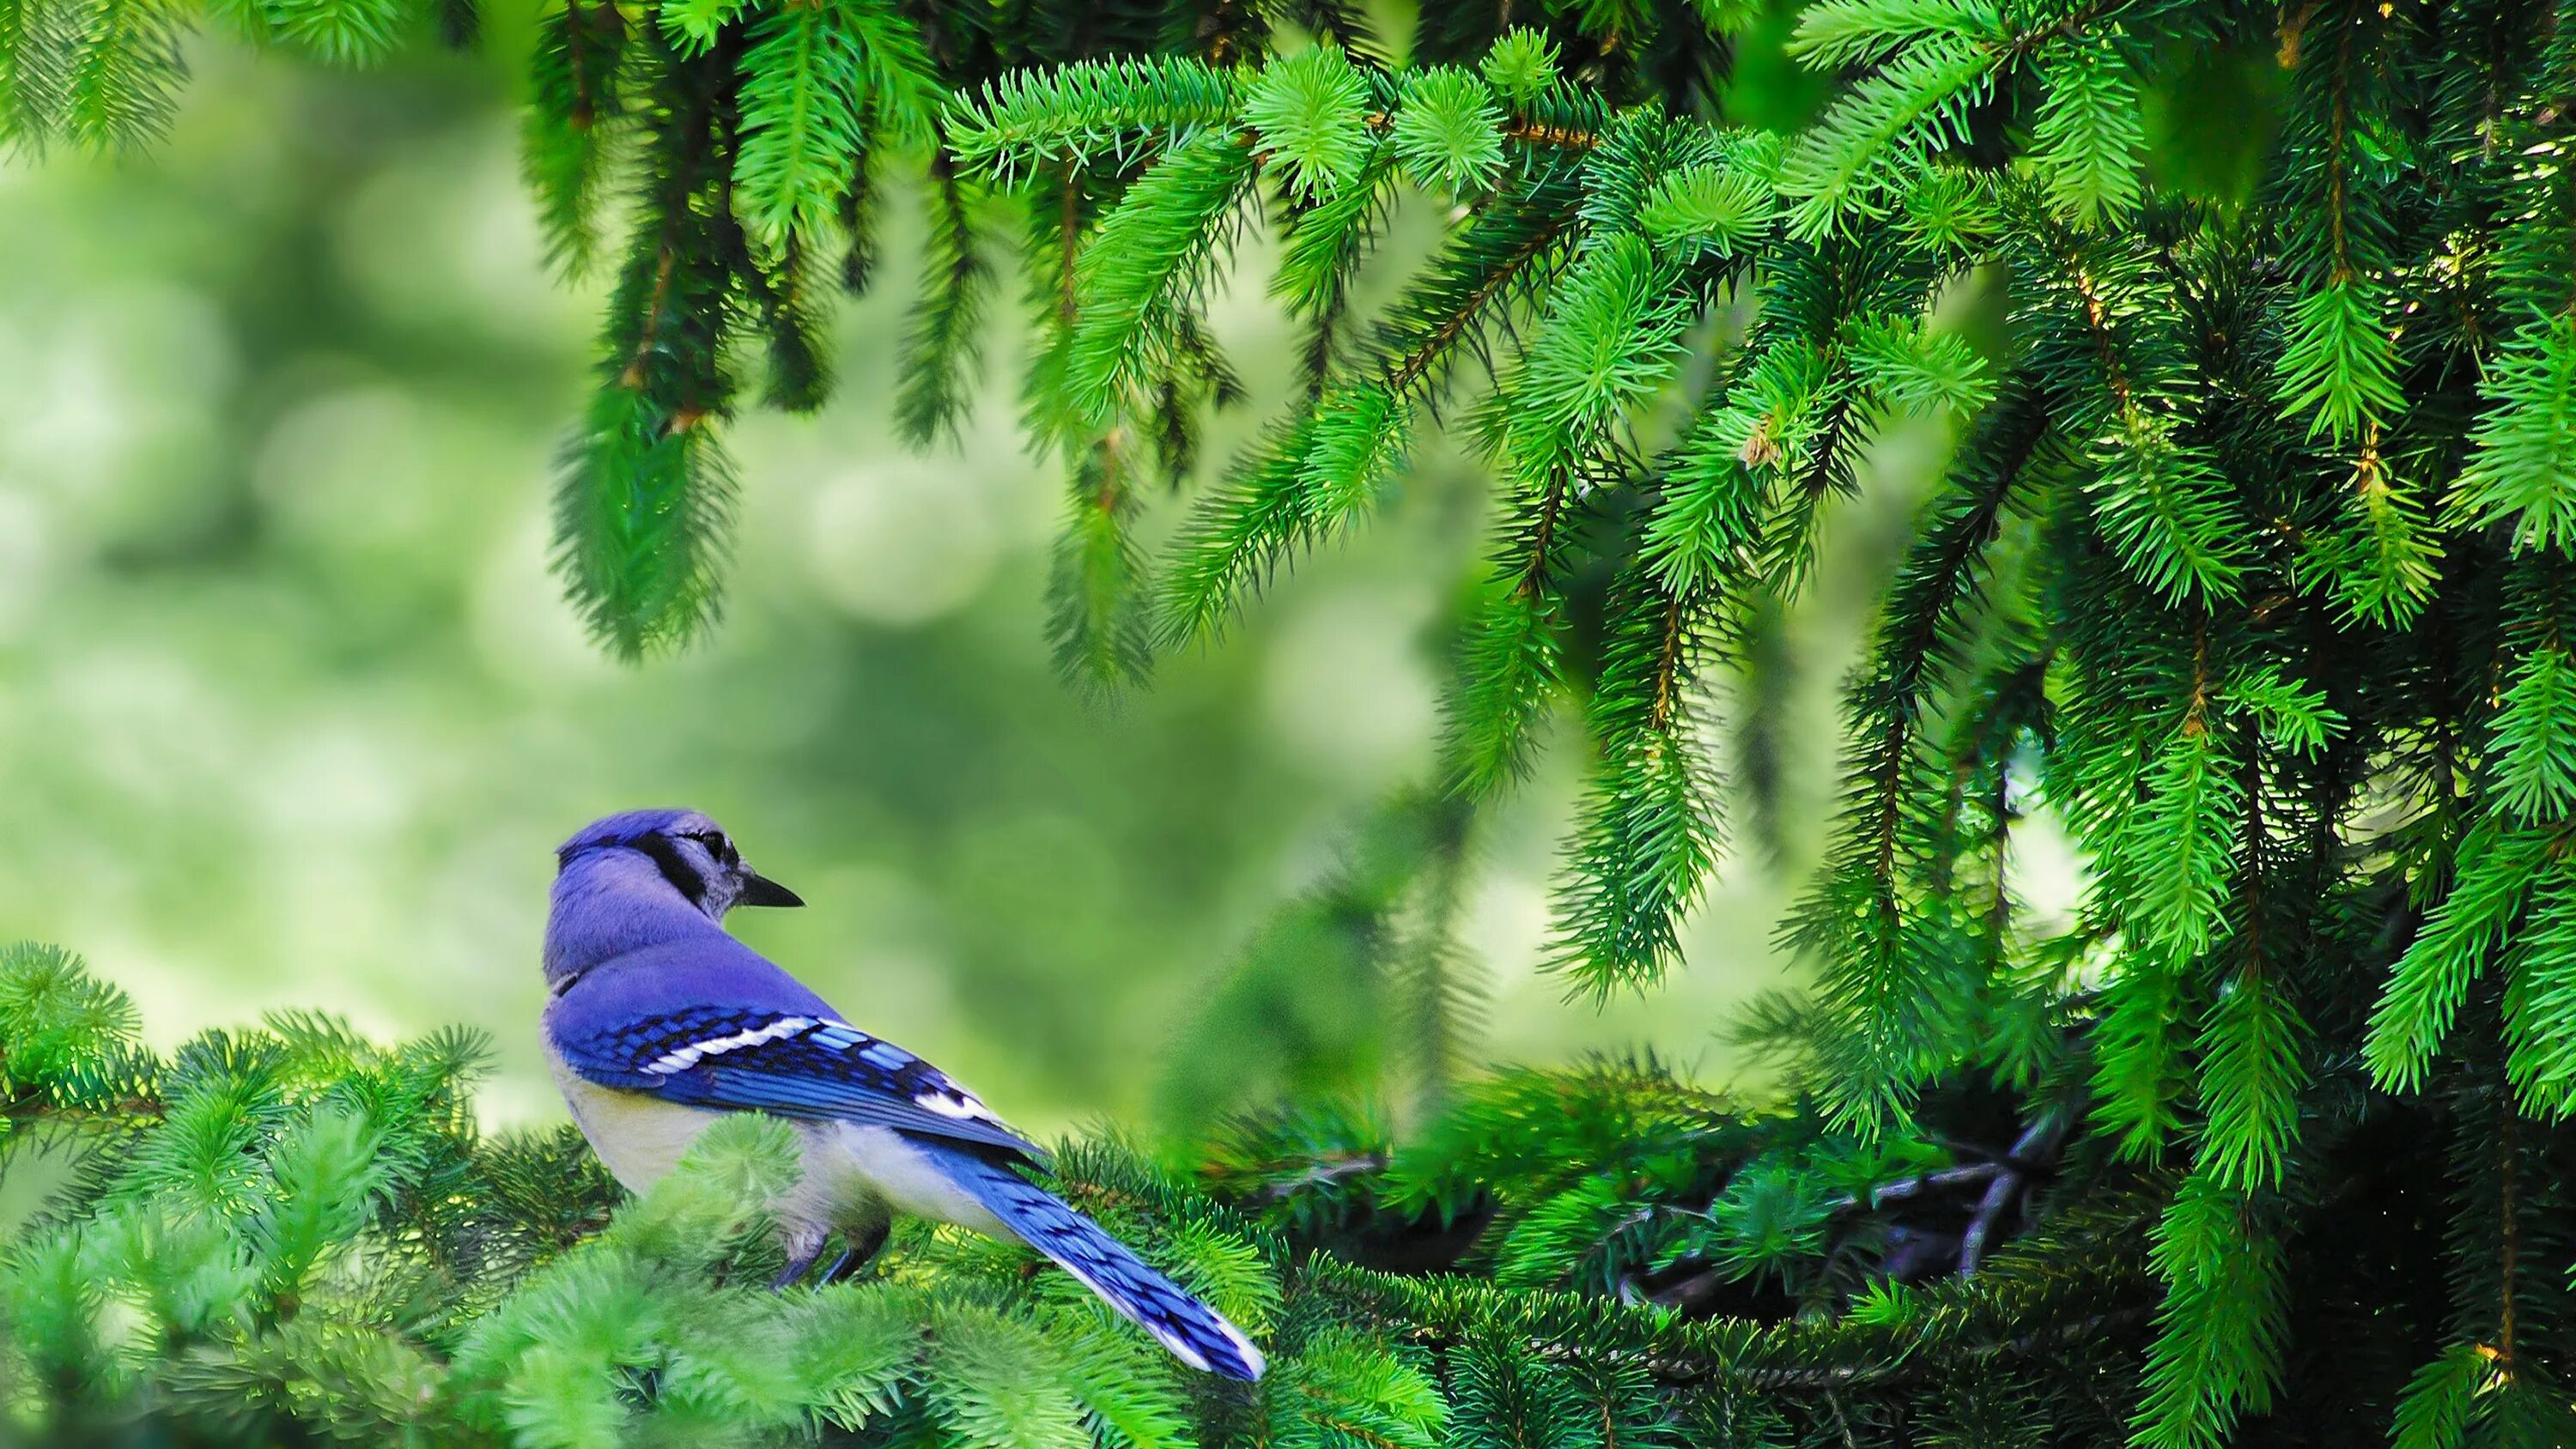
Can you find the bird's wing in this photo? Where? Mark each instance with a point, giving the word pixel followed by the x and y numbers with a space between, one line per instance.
pixel 794 1064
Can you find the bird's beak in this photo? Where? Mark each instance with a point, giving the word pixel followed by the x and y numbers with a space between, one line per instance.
pixel 760 890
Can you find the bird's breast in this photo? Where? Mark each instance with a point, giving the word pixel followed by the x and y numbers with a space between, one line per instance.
pixel 853 1173
pixel 639 1136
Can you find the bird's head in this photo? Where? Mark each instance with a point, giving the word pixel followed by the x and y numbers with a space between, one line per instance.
pixel 692 854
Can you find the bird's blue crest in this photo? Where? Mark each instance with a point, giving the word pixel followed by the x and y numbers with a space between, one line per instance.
pixel 626 825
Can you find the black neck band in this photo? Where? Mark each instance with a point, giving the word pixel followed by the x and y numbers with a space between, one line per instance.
pixel 666 857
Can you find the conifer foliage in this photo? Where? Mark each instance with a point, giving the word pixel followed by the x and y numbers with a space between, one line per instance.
pixel 289 1235
pixel 2251 566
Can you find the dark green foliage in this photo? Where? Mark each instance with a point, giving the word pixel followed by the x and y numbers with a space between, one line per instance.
pixel 646 489
pixel 1356 984
pixel 942 342
pixel 1096 616
pixel 574 106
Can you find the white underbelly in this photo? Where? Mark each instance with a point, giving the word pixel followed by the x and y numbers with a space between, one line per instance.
pixel 639 1137
pixel 853 1174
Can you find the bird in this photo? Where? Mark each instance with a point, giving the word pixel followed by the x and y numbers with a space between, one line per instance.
pixel 659 1022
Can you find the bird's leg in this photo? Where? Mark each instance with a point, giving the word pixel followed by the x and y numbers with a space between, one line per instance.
pixel 858 1251
pixel 802 1249
pixel 797 1267
pixel 833 1273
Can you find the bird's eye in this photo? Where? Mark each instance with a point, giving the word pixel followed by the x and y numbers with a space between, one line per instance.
pixel 716 844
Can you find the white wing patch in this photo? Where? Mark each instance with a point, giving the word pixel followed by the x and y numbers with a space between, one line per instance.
pixel 947 1098
pixel 953 1103
pixel 938 1095
pixel 680 1059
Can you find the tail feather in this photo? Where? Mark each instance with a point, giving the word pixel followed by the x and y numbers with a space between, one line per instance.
pixel 1195 1333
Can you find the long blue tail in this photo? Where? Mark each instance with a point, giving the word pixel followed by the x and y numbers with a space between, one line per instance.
pixel 1195 1333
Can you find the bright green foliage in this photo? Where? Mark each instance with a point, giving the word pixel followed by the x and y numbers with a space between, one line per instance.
pixel 289 1232
pixel 63 1022
pixel 119 60
pixel 2524 471
pixel 2183 832
pixel 1088 115
pixel 1513 660
pixel 1522 65
pixel 802 101
pixel 1914 370
pixel 1886 126
pixel 2540 998
pixel 1612 336
pixel 2442 1401
pixel 2338 366
pixel 2166 510
pixel 903 88
pixel 1358 440
pixel 1146 268
pixel 349 32
pixel 646 491
pixel 2222 1322
pixel 34 59
pixel 2184 581
pixel 2535 736
pixel 1310 113
pixel 572 104
pixel 2495 873
pixel 1325 240
pixel 1861 32
pixel 2251 1072
pixel 694 25
pixel 2293 717
pixel 2089 135
pixel 1708 206
pixel 1448 130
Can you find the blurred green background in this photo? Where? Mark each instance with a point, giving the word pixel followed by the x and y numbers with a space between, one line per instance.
pixel 291 714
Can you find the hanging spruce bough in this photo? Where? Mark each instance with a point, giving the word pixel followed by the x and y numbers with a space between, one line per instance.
pixel 753 142
pixel 2250 565
pixel 740 149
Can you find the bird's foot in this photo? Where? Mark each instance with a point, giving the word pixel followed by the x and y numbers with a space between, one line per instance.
pixel 856 1253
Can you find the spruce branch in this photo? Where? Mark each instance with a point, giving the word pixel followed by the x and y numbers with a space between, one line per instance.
pixel 943 336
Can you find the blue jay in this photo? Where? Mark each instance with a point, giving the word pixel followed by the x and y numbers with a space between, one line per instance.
pixel 660 1022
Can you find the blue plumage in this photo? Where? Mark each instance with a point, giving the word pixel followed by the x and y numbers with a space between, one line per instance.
pixel 1197 1333
pixel 660 1021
